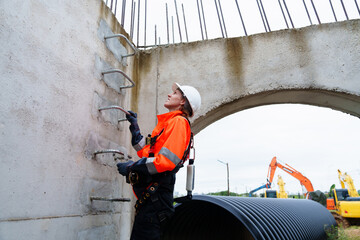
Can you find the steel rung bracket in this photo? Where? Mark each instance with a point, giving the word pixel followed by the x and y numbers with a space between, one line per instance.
pixel 116 107
pixel 122 73
pixel 127 40
pixel 92 198
pixel 114 151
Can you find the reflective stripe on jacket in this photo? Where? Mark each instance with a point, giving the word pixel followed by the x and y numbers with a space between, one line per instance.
pixel 169 147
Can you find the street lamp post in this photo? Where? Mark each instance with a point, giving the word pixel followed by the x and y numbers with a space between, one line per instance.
pixel 227 168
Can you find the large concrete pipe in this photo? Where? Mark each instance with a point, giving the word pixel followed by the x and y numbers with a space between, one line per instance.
pixel 216 217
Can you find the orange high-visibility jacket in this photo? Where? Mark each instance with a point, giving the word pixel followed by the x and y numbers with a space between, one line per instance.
pixel 170 145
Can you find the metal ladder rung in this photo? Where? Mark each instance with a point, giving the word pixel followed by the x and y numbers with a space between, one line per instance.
pixel 110 151
pixel 116 107
pixel 92 198
pixel 127 40
pixel 122 73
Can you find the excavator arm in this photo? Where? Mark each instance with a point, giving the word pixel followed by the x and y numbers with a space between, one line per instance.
pixel 342 183
pixel 304 181
pixel 347 179
pixel 270 177
pixel 257 189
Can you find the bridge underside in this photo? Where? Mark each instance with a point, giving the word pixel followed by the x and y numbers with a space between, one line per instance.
pixel 335 100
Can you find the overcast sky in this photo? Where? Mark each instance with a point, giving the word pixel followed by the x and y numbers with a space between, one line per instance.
pixel 315 141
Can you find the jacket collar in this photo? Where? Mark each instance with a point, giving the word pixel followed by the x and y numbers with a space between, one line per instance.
pixel 166 116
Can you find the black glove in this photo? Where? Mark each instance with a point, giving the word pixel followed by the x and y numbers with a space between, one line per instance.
pixel 134 128
pixel 132 117
pixel 124 167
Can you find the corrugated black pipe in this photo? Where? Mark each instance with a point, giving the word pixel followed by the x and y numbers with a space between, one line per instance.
pixel 217 217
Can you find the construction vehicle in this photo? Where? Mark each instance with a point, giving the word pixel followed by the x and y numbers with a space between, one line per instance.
pixel 346 179
pixel 347 209
pixel 276 194
pixel 282 193
pixel 304 181
pixel 266 185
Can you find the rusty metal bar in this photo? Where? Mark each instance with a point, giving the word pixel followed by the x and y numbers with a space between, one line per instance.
pixel 122 73
pixel 217 11
pixel 342 3
pixel 177 17
pixel 167 23
pixel 307 12
pixel 357 6
pixel 123 13
pixel 115 7
pixel 127 40
pixel 132 20
pixel 267 23
pixel 317 16
pixel 145 23
pixel 332 8
pixel 138 24
pixel 155 36
pixel 262 17
pixel 182 6
pixel 92 198
pixel 222 16
pixel 173 29
pixel 202 9
pixel 242 22
pixel 202 34
pixel 287 10
pixel 282 11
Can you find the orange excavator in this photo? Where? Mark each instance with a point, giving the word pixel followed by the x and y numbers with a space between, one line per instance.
pixel 304 181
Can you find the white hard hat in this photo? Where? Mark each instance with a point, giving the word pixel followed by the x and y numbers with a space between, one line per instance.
pixel 192 95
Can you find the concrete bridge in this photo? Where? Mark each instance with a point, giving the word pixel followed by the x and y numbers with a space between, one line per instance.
pixel 317 65
pixel 53 61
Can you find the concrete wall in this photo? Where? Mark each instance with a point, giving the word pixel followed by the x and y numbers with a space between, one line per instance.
pixel 317 65
pixel 52 56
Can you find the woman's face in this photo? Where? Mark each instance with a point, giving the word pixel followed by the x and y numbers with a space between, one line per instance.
pixel 175 101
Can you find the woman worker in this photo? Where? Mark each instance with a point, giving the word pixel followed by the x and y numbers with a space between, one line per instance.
pixel 153 176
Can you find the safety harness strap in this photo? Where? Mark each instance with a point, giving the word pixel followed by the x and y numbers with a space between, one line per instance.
pixel 145 196
pixel 155 185
pixel 152 140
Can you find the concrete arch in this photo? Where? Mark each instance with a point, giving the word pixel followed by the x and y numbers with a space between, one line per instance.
pixel 317 65
pixel 335 100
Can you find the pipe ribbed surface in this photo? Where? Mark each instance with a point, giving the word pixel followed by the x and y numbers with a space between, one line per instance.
pixel 218 217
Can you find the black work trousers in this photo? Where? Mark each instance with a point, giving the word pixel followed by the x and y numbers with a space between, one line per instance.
pixel 151 219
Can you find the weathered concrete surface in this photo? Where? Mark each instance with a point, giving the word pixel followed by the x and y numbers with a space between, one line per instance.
pixel 51 89
pixel 317 65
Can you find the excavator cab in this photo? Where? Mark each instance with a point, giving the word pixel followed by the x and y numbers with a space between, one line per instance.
pixel 342 194
pixel 270 194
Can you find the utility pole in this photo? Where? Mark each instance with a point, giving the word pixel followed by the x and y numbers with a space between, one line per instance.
pixel 227 168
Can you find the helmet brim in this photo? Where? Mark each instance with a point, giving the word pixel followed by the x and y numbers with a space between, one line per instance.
pixel 175 86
